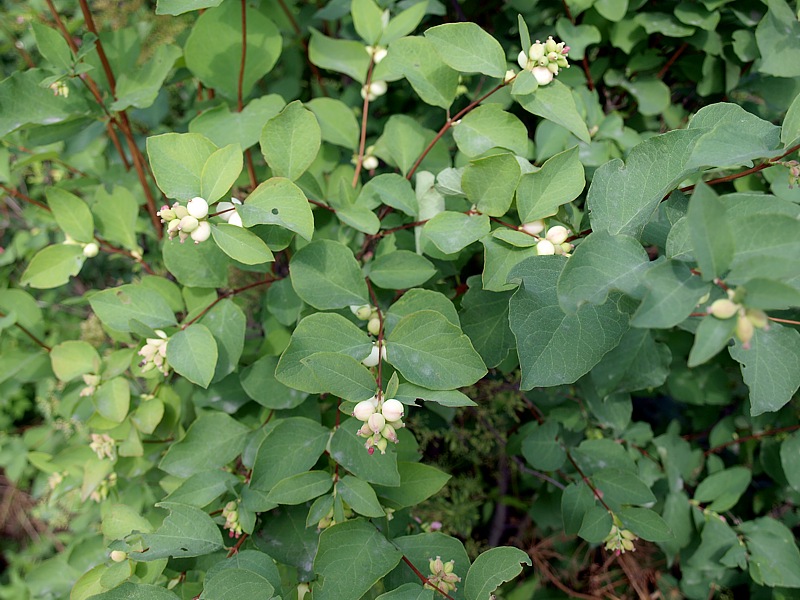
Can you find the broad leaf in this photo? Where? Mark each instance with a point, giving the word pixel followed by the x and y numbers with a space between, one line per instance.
pixel 186 532
pixel 492 568
pixel 52 266
pixel 72 214
pixel 193 353
pixel 240 244
pixel 326 275
pixel 290 141
pixel 468 48
pixel 541 193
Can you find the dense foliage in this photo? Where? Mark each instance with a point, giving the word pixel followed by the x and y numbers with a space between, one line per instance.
pixel 399 300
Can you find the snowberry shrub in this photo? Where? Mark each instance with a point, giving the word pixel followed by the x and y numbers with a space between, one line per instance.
pixel 279 277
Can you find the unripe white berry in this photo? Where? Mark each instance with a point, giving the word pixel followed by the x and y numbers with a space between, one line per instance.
pixel 179 210
pixel 363 311
pixel 376 422
pixel 202 233
pixel 118 555
pixel 188 224
pixel 533 228
pixel 536 51
pixel 363 410
pixel 235 219
pixel 723 308
pixel 374 326
pixel 545 248
pixel 557 234
pixel 374 357
pixel 197 207
pixel 543 75
pixel 522 60
pixel 370 163
pixel 392 410
pixel 90 250
pixel 510 74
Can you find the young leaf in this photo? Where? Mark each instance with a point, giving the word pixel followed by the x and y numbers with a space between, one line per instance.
pixel 326 275
pixel 560 180
pixel 367 20
pixel 220 172
pixel 192 352
pixel 53 266
pixel 712 335
pixel 468 48
pixel 186 532
pixel 290 141
pixel 177 160
pixel 241 244
pixel 433 81
pixel 72 214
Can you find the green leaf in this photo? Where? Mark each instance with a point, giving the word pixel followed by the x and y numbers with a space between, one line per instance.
pixel 542 449
pixel 389 189
pixel 326 275
pixel 484 318
pixel 778 38
pixel 178 7
pixel 340 375
pixel 74 358
pixel 284 536
pixel 622 487
pixel 433 81
pixel 352 556
pixel 224 127
pixel 117 307
pixel 113 399
pixel 554 347
pixel 177 160
pixel 768 294
pixel 220 172
pixel 121 519
pixel 203 488
pixel 451 232
pixel 367 20
pixel 290 141
pixel 403 141
pixel 722 490
pixel 360 496
pixel 404 23
pixel 602 263
pixel 576 500
pixel 196 265
pixel 773 555
pixel 278 201
pixel 252 561
pixel 343 56
pixel 52 46
pixel 770 249
pixel 624 196
pixel 468 49
pixel 645 523
pixel 790 131
pixel 212 441
pixel 416 300
pixel 420 549
pixel 216 63
pixel 300 488
pixel 400 270
pixel 596 524
pixel 186 532
pixel 489 126
pixel 490 183
pixel 72 214
pixel 555 103
pixel 241 244
pixel 770 367
pixel 337 122
pixel 541 193
pixel 579 36
pixel 409 393
pixel 492 568
pixel 432 352
pixel 53 266
pixel 259 382
pixel 227 323
pixel 232 584
pixel 24 101
pixel 293 446
pixel 673 293
pixel 790 459
pixel 116 215
pixel 193 353
pixel 348 450
pixel 637 363
pixel 712 335
pixel 418 482
pixel 139 88
pixel 650 93
pixel 136 591
pixel 499 260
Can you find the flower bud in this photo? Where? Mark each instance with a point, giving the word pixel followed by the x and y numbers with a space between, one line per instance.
pixel 188 224
pixel 166 214
pixel 179 210
pixel 374 357
pixel 376 422
pixel 566 247
pixel 197 207
pixel 90 250
pixel 536 51
pixel 381 445
pixel 550 45
pixel 173 226
pixel 363 410
pixel 533 228
pixel 392 410
pixel 543 75
pixel 757 317
pixel 557 235
pixel 202 233
pixel 744 330
pixel 723 308
pixel 118 555
pixel 545 248
pixel 553 68
pixel 235 219
pixel 374 326
pixel 365 431
pixel 389 433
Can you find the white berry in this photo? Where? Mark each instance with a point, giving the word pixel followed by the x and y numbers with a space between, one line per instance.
pixel 392 410
pixel 197 207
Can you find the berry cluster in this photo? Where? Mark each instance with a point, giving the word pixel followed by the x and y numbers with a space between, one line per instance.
pixel 620 540
pixel 187 221
pixel 544 60
pixel 368 313
pixel 747 319
pixel 554 240
pixel 154 353
pixel 231 514
pixel 228 212
pixel 442 576
pixel 382 419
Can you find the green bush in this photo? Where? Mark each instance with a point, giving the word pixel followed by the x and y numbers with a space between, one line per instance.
pixel 399 300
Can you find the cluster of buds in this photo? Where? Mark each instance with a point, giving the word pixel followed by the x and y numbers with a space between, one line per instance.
pixel 544 60
pixel 227 211
pixel 154 353
pixel 747 319
pixel 368 313
pixel 442 576
pixel 382 419
pixel 373 90
pixel 187 221
pixel 103 445
pixel 100 493
pixel 620 540
pixel 91 381
pixel 554 240
pixel 794 172
pixel 231 514
pixel 60 88
pixel 329 521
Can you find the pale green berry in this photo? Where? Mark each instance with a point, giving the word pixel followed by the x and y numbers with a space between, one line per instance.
pixel 376 422
pixel 744 330
pixel 90 250
pixel 374 326
pixel 363 410
pixel 202 233
pixel 557 234
pixel 545 248
pixel 118 555
pixel 723 308
pixel 392 410
pixel 188 224
pixel 757 317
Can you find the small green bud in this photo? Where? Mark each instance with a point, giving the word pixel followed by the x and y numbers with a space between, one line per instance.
pixel 723 308
pixel 374 326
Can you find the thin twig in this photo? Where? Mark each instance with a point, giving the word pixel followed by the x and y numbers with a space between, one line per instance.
pixel 238 545
pixel 597 493
pixel 24 197
pixel 672 60
pixel 223 296
pixel 755 436
pixel 425 580
pixel 364 118
pixel 27 332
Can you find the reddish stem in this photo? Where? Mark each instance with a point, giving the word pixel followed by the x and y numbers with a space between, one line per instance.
pixel 425 580
pixel 364 118
pixel 27 332
pixel 224 295
pixel 755 436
